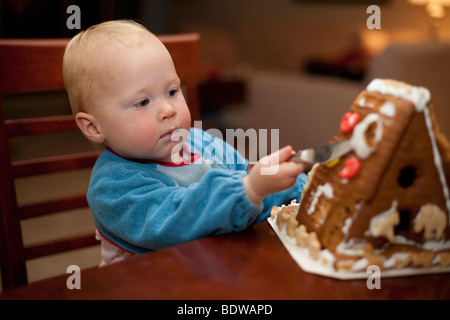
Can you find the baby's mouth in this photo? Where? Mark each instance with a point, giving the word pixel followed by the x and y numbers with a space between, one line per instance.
pixel 172 134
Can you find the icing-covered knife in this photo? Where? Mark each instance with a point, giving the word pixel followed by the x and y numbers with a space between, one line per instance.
pixel 324 153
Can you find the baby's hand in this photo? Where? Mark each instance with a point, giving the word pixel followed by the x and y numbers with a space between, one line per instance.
pixel 272 174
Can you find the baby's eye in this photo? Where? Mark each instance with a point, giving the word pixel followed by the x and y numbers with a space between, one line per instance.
pixel 142 103
pixel 172 93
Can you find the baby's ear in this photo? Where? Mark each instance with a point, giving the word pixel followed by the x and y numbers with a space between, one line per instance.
pixel 88 125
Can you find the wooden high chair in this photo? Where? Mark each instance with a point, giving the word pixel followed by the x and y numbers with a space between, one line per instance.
pixel 35 65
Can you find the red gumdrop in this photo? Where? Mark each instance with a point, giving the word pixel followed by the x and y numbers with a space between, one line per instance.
pixel 349 121
pixel 351 168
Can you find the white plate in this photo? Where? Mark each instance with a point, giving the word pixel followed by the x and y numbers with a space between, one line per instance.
pixel 308 264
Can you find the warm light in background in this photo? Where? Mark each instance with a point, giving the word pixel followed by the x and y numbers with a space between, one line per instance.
pixel 435 10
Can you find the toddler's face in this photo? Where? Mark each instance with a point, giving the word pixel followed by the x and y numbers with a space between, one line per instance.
pixel 141 106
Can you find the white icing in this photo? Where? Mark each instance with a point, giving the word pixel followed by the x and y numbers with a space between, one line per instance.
pixel 388 109
pixel 358 139
pixel 419 96
pixel 400 256
pixel 362 103
pixel 348 221
pixel 436 245
pixel 360 265
pixel 437 160
pixel 353 247
pixel 326 190
pixel 346 226
pixel 403 240
pixel 436 260
pixel 429 245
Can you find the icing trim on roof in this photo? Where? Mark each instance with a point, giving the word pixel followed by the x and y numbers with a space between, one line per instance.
pixel 419 96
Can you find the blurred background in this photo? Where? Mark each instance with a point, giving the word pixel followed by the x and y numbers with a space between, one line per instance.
pixel 291 65
pixel 305 58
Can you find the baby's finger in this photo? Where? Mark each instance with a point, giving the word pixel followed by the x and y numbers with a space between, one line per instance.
pixel 278 157
pixel 293 168
pixel 286 153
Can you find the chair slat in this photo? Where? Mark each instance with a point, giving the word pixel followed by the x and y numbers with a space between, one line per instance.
pixel 47 206
pixel 26 168
pixel 27 61
pixel 18 127
pixel 61 245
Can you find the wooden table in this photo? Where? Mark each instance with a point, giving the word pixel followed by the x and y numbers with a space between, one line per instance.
pixel 252 264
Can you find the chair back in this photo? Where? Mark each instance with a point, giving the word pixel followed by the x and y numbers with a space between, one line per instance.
pixel 33 66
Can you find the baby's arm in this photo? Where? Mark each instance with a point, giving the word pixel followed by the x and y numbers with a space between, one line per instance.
pixel 143 210
pixel 272 174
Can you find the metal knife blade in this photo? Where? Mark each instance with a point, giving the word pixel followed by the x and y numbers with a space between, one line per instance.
pixel 324 153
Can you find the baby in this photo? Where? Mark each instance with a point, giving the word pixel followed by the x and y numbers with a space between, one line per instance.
pixel 148 190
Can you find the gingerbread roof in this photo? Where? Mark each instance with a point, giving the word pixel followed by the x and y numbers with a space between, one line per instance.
pixel 392 129
pixel 384 111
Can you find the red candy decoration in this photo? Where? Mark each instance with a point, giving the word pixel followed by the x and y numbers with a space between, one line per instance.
pixel 351 168
pixel 349 121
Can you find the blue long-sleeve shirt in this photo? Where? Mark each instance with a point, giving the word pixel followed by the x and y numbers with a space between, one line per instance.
pixel 142 206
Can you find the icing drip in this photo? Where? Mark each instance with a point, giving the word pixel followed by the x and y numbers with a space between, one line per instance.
pixel 437 160
pixel 362 103
pixel 358 139
pixel 383 223
pixel 326 190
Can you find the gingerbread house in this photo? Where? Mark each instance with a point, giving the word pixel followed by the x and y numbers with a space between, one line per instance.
pixel 387 202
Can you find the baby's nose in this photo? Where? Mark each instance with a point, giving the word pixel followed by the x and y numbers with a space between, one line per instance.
pixel 167 111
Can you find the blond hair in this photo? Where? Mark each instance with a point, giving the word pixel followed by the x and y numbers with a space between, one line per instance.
pixel 80 62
